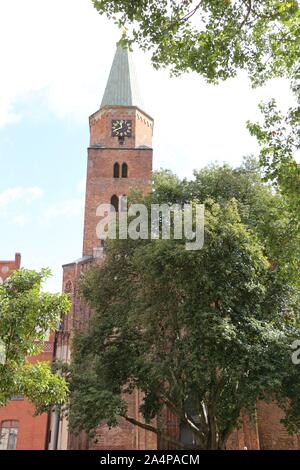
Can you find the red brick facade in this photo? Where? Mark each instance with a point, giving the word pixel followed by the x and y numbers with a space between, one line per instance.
pixel 7 267
pixel 32 430
pixel 272 434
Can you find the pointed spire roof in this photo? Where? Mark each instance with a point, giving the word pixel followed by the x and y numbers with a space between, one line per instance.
pixel 122 87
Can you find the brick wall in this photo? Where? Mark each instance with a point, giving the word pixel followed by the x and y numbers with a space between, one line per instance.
pixel 7 267
pixel 272 433
pixel 32 430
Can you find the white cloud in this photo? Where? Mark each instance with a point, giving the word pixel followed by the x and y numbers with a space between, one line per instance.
pixel 68 208
pixel 81 185
pixel 20 220
pixel 55 48
pixel 11 195
pixel 7 115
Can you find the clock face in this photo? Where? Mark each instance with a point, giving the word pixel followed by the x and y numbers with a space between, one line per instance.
pixel 121 128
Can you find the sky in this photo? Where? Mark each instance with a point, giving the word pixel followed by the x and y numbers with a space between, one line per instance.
pixel 55 59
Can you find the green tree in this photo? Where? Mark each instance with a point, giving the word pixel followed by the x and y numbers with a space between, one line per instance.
pixel 27 315
pixel 264 211
pixel 205 334
pixel 279 139
pixel 214 38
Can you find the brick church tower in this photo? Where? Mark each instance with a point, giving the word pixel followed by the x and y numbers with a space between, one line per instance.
pixel 120 152
pixel 119 160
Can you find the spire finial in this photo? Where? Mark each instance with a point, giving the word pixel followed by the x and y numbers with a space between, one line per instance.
pixel 122 41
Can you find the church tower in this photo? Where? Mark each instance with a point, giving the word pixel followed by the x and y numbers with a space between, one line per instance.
pixel 120 151
pixel 119 160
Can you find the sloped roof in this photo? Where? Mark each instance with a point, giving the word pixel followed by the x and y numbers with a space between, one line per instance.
pixel 122 86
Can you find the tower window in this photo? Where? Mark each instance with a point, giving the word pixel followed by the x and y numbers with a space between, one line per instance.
pixel 115 202
pixel 68 287
pixel 8 435
pixel 116 170
pixel 124 170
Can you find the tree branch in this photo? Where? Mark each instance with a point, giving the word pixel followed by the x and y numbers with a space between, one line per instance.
pixel 184 416
pixel 183 19
pixel 190 13
pixel 166 437
pixel 249 9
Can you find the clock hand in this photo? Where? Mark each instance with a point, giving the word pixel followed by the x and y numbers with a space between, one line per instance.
pixel 120 127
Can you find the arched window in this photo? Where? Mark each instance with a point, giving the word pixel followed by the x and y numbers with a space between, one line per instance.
pixel 124 170
pixel 68 287
pixel 8 435
pixel 115 202
pixel 116 170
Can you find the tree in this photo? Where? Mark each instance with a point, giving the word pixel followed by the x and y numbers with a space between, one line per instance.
pixel 279 138
pixel 214 38
pixel 27 315
pixel 205 334
pixel 264 211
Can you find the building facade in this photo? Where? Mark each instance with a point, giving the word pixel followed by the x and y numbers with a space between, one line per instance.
pixel 120 160
pixel 19 428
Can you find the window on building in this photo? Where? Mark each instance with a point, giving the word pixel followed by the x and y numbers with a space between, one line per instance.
pixel 68 287
pixel 8 435
pixel 117 170
pixel 186 435
pixel 124 170
pixel 115 202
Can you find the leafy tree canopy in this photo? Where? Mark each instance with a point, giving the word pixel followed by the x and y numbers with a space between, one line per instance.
pixel 279 139
pixel 205 334
pixel 214 38
pixel 261 209
pixel 27 315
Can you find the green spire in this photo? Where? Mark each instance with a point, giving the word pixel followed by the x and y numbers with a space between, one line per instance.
pixel 122 88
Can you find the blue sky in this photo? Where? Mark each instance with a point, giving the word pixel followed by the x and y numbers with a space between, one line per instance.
pixel 55 59
pixel 42 162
